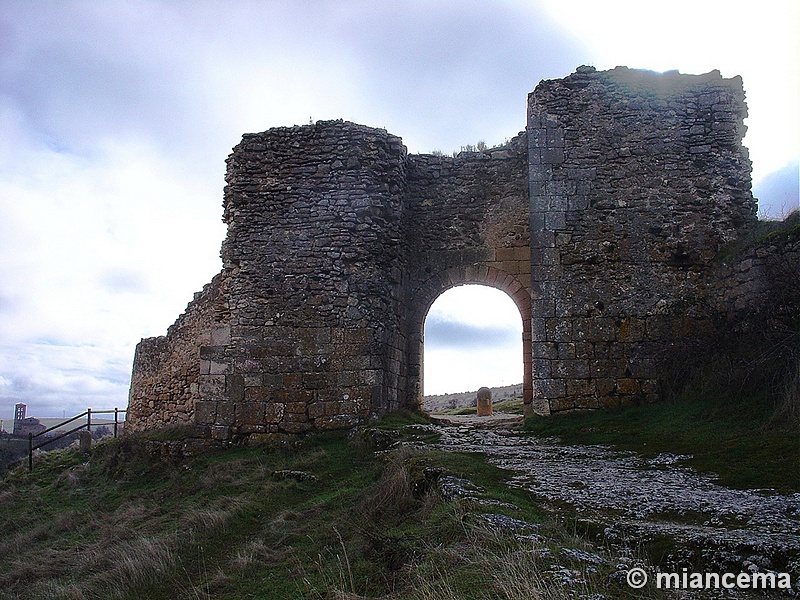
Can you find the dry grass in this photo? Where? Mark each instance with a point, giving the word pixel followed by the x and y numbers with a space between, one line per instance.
pixel 214 516
pixel 137 563
pixel 222 526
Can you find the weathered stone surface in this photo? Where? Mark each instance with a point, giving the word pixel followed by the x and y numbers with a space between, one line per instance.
pixel 484 402
pixel 653 187
pixel 602 221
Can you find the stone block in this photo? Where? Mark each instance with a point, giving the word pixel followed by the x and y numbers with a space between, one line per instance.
pixel 542 307
pixel 221 336
pixel 543 367
pixel 572 369
pixel 295 427
pixel 257 394
pixel 537 187
pixel 552 156
pixel 248 413
pixel 253 380
pixel 599 368
pixel 291 380
pixel 268 438
pixel 631 329
pixel 555 220
pixel 218 368
pixel 580 387
pixel 556 203
pixel 234 387
pixel 558 330
pixel 579 201
pixel 315 381
pixel 212 387
pixel 484 402
pixel 273 412
pixel 303 397
pixel 221 432
pixel 505 254
pixel 356 336
pixel 289 417
pixel 372 377
pixel 296 407
pixel 561 404
pixel 566 350
pixel 336 422
pixel 225 413
pixel 205 412
pixel 549 388
pixel 629 387
pixel 316 410
pixel 543 239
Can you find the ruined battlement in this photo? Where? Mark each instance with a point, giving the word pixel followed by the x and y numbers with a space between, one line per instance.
pixel 601 220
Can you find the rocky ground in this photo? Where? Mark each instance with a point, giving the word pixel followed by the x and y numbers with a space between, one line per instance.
pixel 679 516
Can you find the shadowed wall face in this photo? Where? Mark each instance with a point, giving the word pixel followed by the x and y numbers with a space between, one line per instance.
pixel 637 180
pixel 602 221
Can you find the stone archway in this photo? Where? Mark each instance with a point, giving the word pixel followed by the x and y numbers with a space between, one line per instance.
pixel 430 289
pixel 601 220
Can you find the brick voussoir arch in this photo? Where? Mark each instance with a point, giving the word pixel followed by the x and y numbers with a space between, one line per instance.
pixel 429 290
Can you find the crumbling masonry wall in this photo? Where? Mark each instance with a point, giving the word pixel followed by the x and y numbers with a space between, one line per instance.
pixel 602 220
pixel 165 383
pixel 637 179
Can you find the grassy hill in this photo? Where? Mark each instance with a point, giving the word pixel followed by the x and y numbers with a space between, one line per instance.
pixel 333 515
pixel 96 423
pixel 348 515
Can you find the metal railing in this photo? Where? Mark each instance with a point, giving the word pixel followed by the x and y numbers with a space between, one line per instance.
pixel 87 425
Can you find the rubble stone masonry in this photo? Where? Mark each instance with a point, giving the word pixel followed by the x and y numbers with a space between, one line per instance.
pixel 603 221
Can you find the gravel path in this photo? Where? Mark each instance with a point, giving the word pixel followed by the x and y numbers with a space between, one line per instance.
pixel 639 498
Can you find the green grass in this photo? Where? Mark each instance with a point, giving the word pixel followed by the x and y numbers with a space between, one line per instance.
pixel 359 515
pixel 736 439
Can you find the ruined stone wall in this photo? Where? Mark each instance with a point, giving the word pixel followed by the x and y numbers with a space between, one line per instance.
pixel 603 221
pixel 764 274
pixel 165 383
pixel 636 181
pixel 315 258
pixel 758 285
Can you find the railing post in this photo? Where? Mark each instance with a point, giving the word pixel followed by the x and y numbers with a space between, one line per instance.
pixel 89 420
pixel 116 420
pixel 30 451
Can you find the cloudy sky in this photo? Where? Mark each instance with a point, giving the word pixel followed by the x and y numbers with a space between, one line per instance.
pixel 116 118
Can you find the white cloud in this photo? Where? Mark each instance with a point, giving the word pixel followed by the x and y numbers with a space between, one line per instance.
pixel 117 118
pixel 758 41
pixel 779 193
pixel 473 337
pixel 95 253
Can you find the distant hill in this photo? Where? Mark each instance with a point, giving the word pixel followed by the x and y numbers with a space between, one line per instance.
pixel 96 423
pixel 440 402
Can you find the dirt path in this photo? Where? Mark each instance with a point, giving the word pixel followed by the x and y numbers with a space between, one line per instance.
pixel 629 497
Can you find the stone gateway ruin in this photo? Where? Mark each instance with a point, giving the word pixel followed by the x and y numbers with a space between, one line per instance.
pixel 602 220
